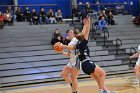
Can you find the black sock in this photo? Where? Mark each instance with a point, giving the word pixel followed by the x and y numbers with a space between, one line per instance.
pixel 71 84
pixel 74 92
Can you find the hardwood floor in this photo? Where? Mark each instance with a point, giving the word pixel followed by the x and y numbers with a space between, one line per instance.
pixel 119 84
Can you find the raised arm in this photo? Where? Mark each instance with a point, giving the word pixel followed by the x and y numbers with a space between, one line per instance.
pixel 86 28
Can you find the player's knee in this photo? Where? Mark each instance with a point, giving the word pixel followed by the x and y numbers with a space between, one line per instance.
pixel 138 77
pixel 103 74
pixel 63 75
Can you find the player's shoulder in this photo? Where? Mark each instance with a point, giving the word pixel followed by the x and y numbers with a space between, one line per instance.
pixel 74 39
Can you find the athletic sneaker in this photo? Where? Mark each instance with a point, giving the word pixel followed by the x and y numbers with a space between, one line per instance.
pixel 111 92
pixel 102 91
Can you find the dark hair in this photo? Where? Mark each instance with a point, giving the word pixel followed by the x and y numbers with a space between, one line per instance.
pixel 67 31
pixel 80 36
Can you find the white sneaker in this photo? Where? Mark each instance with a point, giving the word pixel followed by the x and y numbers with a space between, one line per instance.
pixel 111 92
pixel 102 91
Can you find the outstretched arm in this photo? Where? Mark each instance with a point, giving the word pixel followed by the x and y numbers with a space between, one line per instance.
pixel 71 47
pixel 65 53
pixel 86 30
pixel 134 56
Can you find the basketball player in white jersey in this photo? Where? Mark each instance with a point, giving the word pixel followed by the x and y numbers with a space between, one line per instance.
pixel 70 72
pixel 137 66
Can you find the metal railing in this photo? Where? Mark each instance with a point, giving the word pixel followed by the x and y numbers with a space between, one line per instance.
pixel 131 52
pixel 94 27
pixel 105 36
pixel 118 45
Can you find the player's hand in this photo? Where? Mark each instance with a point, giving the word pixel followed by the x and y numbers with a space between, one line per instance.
pixel 130 57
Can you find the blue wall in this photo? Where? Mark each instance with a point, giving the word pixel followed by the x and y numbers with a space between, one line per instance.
pixel 84 1
pixel 5 2
pixel 132 9
pixel 64 5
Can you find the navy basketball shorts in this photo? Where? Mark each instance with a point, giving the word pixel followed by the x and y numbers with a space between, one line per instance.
pixel 88 67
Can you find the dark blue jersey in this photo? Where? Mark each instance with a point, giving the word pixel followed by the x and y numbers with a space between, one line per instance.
pixel 83 55
pixel 83 50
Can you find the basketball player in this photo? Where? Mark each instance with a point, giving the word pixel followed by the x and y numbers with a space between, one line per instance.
pixel 71 67
pixel 89 68
pixel 137 66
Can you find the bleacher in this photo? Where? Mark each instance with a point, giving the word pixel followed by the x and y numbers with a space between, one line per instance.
pixel 26 56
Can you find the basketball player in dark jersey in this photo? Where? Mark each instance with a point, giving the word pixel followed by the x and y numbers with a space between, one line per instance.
pixel 89 67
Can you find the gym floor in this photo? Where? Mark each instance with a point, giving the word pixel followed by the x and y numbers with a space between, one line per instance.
pixel 121 84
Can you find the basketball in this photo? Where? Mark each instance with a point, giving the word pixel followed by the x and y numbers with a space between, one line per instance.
pixel 58 47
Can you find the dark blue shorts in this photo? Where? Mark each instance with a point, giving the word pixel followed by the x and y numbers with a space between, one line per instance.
pixel 88 67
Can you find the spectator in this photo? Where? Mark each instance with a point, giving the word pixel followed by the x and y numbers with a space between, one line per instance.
pixel 102 25
pixel 8 18
pixel 51 16
pixel 88 10
pixel 104 14
pixel 76 12
pixel 100 16
pixel 94 14
pixel 57 37
pixel 27 14
pixel 43 16
pixel 58 16
pixel 1 20
pixel 136 20
pixel 34 17
pixel 10 9
pixel 66 38
pixel 110 19
pixel 19 15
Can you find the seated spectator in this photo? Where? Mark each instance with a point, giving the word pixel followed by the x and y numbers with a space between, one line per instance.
pixel 110 19
pixel 88 10
pixel 19 15
pixel 100 16
pixel 51 16
pixel 76 12
pixel 34 17
pixel 1 20
pixel 94 14
pixel 10 9
pixel 58 16
pixel 57 37
pixel 8 18
pixel 104 14
pixel 102 25
pixel 66 38
pixel 43 16
pixel 136 20
pixel 27 14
